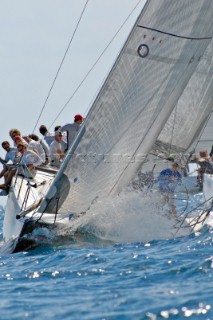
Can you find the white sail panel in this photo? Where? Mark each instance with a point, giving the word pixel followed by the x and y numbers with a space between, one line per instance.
pixel 150 74
pixel 193 107
pixel 205 141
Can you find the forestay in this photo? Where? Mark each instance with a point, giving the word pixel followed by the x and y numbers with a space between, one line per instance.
pixel 137 98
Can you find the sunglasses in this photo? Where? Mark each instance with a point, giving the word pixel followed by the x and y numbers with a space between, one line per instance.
pixel 20 146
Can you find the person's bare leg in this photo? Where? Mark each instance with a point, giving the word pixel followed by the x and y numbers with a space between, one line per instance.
pixel 3 172
pixel 9 175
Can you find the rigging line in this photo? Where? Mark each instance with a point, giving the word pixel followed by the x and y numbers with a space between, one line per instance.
pixel 94 64
pixel 60 66
pixel 195 208
pixel 175 35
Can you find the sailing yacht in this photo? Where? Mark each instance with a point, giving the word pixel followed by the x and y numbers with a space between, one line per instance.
pixel 160 80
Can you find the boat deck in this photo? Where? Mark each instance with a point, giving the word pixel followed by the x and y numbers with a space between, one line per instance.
pixel 30 192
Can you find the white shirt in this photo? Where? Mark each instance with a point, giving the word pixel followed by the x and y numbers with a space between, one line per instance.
pixel 30 157
pixel 54 147
pixel 37 147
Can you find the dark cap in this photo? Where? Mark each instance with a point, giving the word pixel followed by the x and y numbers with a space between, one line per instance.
pixel 43 129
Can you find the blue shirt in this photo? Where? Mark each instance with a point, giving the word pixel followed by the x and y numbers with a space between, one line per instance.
pixel 168 180
pixel 11 155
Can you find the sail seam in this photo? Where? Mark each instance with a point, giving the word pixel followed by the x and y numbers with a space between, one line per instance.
pixel 175 35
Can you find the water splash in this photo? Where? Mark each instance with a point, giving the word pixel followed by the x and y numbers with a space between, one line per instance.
pixel 128 217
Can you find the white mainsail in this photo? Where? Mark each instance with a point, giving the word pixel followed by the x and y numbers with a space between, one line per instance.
pixel 150 74
pixel 193 108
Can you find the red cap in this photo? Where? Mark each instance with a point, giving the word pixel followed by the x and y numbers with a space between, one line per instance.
pixel 78 117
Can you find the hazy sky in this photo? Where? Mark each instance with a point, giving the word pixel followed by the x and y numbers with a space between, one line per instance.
pixel 34 37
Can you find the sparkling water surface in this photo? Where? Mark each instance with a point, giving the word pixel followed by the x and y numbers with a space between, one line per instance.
pixel 91 279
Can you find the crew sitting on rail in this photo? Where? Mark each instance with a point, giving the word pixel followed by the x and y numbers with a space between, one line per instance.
pixel 44 146
pixel 13 133
pixel 18 139
pixel 8 169
pixel 57 150
pixel 28 162
pixel 36 147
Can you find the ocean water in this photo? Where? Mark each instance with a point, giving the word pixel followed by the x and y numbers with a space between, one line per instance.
pixel 91 278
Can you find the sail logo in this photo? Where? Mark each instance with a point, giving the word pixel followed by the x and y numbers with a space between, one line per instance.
pixel 109 157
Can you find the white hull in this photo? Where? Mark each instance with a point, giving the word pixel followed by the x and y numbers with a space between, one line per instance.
pixel 208 188
pixel 23 200
pixel 22 216
pixel 11 226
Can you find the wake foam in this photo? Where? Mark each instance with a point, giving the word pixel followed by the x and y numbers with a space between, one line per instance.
pixel 132 216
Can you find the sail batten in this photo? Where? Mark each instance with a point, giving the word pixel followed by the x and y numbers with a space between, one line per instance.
pixel 175 35
pixel 135 102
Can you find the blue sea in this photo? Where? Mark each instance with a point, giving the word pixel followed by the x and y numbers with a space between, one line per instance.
pixel 91 279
